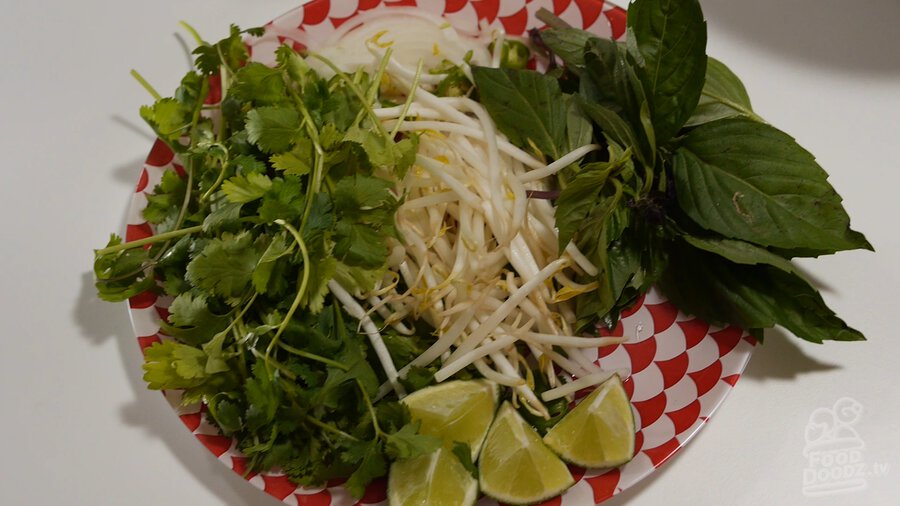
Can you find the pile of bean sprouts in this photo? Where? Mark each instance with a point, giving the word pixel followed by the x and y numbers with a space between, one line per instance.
pixel 478 260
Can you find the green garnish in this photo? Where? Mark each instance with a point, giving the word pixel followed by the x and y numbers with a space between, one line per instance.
pixel 284 185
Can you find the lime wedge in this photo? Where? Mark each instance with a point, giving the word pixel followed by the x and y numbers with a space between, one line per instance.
pixel 515 466
pixel 437 479
pixel 599 431
pixel 455 411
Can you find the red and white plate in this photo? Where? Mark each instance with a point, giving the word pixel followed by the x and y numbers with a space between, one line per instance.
pixel 680 368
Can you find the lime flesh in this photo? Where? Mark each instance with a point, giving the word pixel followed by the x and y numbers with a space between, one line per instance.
pixel 455 411
pixel 599 431
pixel 437 479
pixel 515 466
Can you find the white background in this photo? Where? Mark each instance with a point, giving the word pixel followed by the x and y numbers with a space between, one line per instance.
pixel 77 425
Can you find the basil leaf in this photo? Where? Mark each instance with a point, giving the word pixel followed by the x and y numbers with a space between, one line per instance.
pixel 612 83
pixel 568 44
pixel 526 106
pixel 577 199
pixel 603 227
pixel 598 83
pixel 740 252
pixel 667 39
pixel 723 96
pixel 753 297
pixel 633 261
pixel 579 129
pixel 750 181
pixel 612 125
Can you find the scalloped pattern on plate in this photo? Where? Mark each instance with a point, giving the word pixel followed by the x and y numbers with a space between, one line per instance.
pixel 680 369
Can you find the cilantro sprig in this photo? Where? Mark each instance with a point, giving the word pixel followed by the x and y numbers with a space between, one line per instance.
pixel 287 185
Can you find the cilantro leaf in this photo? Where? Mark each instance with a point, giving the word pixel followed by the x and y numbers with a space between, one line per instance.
pixel 371 462
pixel 359 196
pixel 223 216
pixel 273 128
pixel 384 152
pixel 169 119
pixel 191 320
pixel 296 67
pixel 225 266
pixel 407 442
pixel 463 452
pixel 230 52
pixel 242 189
pixel 262 397
pixel 259 85
pixel 284 200
pixel 359 245
pixel 277 248
pixel 169 365
pixel 248 164
pixel 215 356
pixel 298 161
pixel 321 272
pixel 122 275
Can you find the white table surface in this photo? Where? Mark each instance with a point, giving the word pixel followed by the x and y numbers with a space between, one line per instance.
pixel 77 425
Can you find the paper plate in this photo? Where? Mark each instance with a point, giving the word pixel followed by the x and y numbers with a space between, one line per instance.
pixel 680 368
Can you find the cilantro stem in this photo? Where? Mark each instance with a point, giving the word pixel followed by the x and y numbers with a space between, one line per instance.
pixel 374 86
pixel 224 84
pixel 313 356
pixel 409 99
pixel 224 61
pixel 371 408
pixel 146 85
pixel 187 194
pixel 149 240
pixel 183 211
pixel 188 186
pixel 235 321
pixel 379 75
pixel 329 183
pixel 221 177
pixel 316 176
pixel 281 368
pixel 242 361
pixel 304 280
pixel 190 29
pixel 324 426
